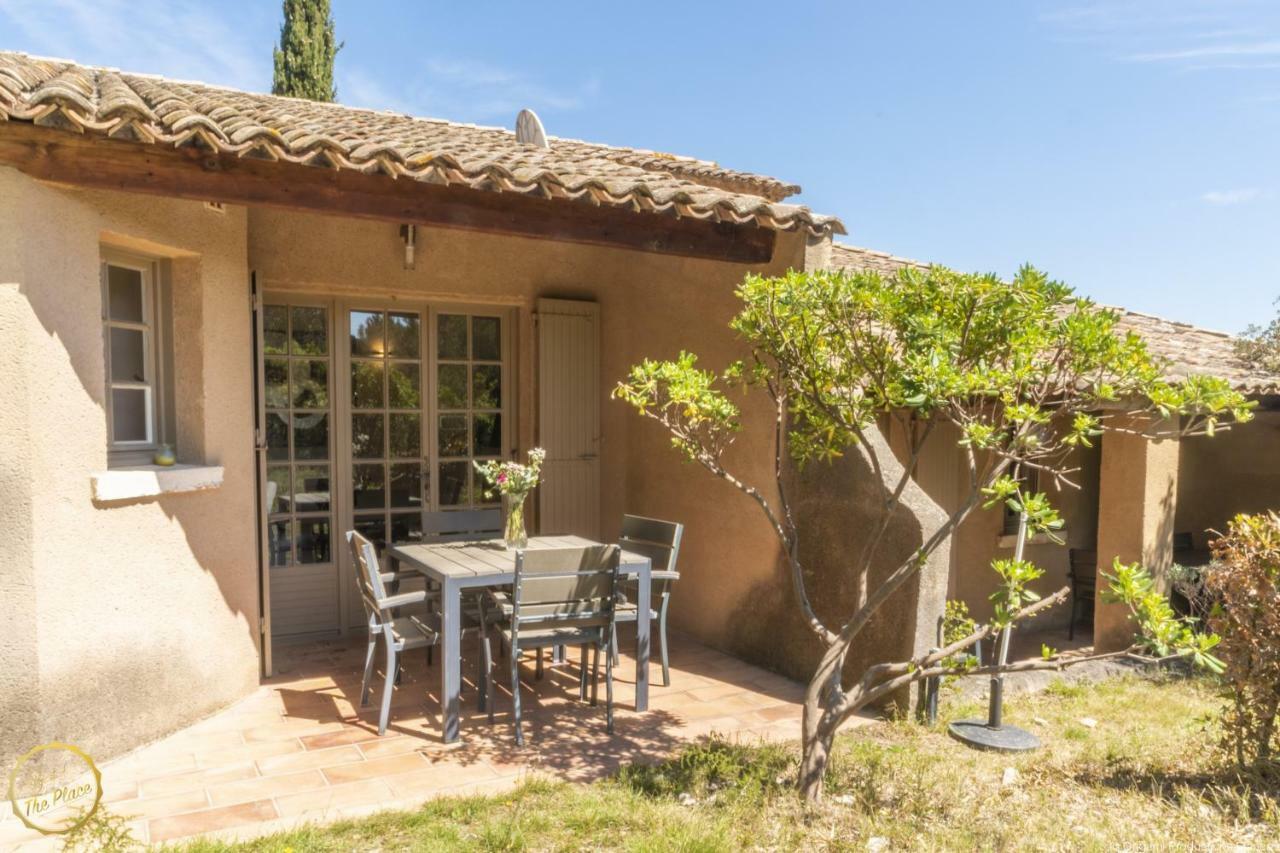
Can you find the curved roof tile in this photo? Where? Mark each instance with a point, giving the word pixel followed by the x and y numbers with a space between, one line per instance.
pixel 1186 350
pixel 63 94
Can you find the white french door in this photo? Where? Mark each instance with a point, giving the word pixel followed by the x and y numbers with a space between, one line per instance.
pixel 298 356
pixel 413 395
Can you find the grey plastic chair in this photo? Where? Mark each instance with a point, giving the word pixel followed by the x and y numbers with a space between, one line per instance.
pixel 462 525
pixel 399 633
pixel 660 542
pixel 465 525
pixel 561 597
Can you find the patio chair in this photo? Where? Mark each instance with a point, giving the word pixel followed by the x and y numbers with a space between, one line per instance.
pixel 399 633
pixel 475 525
pixel 561 597
pixel 660 542
pixel 1082 572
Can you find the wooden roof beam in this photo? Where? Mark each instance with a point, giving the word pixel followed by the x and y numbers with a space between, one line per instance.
pixel 194 173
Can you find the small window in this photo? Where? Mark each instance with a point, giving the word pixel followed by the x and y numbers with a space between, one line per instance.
pixel 133 334
pixel 1029 483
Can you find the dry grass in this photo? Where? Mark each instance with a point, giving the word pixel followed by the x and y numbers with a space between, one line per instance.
pixel 1145 777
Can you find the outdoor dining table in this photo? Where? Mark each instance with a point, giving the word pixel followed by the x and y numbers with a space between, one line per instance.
pixel 456 566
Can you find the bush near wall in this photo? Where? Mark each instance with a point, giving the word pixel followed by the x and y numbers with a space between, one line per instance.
pixel 1247 617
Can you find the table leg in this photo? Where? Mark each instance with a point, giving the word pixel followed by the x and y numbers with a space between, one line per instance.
pixel 643 597
pixel 450 657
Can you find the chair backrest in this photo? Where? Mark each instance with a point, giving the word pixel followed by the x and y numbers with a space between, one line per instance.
pixel 1082 565
pixel 565 587
pixel 462 525
pixel 655 539
pixel 369 578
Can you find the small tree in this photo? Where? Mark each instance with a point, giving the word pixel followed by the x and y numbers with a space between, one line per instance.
pixel 1023 371
pixel 1259 346
pixel 1247 587
pixel 304 57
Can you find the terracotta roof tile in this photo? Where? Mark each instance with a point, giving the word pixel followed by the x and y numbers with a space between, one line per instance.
pixel 1186 349
pixel 60 94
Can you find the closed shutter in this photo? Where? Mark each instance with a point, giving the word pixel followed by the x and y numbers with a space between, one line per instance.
pixel 569 417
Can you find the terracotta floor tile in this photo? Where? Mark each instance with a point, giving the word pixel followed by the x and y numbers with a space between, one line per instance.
pixel 390 746
pixel 177 783
pixel 115 790
pixel 194 823
pixel 781 712
pixel 289 730
pixel 164 806
pixel 438 778
pixel 230 726
pixel 348 734
pixel 374 768
pixel 265 787
pixel 309 760
pixel 299 749
pixel 364 792
pixel 247 752
pixel 149 763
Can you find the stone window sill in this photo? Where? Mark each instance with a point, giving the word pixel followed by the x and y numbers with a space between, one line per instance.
pixel 145 481
pixel 1010 540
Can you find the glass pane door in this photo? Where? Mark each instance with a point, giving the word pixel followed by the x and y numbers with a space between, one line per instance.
pixel 388 470
pixel 470 398
pixel 298 402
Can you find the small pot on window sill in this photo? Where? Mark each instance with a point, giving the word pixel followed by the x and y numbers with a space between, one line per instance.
pixel 164 456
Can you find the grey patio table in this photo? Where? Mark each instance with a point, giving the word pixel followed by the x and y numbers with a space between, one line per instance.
pixel 456 566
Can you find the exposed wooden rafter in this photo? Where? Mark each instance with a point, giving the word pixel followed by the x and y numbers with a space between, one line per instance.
pixel 193 173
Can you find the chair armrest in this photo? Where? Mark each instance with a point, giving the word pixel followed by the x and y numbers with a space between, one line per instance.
pixel 403 598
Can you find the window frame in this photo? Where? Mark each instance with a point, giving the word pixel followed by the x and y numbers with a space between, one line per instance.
pixel 506 317
pixel 156 385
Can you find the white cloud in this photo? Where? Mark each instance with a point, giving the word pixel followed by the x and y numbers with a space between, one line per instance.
pixel 1222 198
pixel 462 90
pixel 1190 35
pixel 1266 48
pixel 184 39
pixel 199 41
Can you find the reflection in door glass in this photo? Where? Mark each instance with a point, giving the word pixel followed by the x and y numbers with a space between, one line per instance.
pixel 386 431
pixel 368 331
pixel 297 399
pixel 469 396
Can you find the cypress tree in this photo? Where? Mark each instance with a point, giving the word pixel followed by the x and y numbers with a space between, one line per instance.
pixel 304 57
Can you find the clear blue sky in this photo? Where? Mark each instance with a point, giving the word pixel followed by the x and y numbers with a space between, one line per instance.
pixel 1129 148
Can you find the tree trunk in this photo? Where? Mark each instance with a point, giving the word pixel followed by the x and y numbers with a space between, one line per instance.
pixel 818 727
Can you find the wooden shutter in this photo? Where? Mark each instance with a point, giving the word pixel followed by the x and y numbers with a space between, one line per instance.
pixel 569 417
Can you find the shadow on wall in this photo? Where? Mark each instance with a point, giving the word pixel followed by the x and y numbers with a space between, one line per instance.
pixel 133 604
pixel 1236 471
pixel 836 505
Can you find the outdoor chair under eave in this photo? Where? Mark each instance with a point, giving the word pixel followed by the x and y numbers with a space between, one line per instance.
pixel 1082 572
pixel 660 542
pixel 561 597
pixel 399 634
pixel 465 525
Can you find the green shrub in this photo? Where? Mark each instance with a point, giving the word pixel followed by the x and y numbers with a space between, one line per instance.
pixel 1247 617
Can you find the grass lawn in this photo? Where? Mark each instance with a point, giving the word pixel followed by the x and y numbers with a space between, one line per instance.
pixel 1144 776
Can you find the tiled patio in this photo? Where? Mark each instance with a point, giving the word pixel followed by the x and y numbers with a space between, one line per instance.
pixel 298 750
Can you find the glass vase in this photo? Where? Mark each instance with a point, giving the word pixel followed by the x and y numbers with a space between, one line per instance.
pixel 513 532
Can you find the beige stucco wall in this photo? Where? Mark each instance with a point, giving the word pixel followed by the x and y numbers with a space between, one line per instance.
pixel 980 539
pixel 131 619
pixel 119 610
pixel 1237 470
pixel 650 306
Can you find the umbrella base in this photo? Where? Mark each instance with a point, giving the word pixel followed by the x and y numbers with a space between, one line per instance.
pixel 978 734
